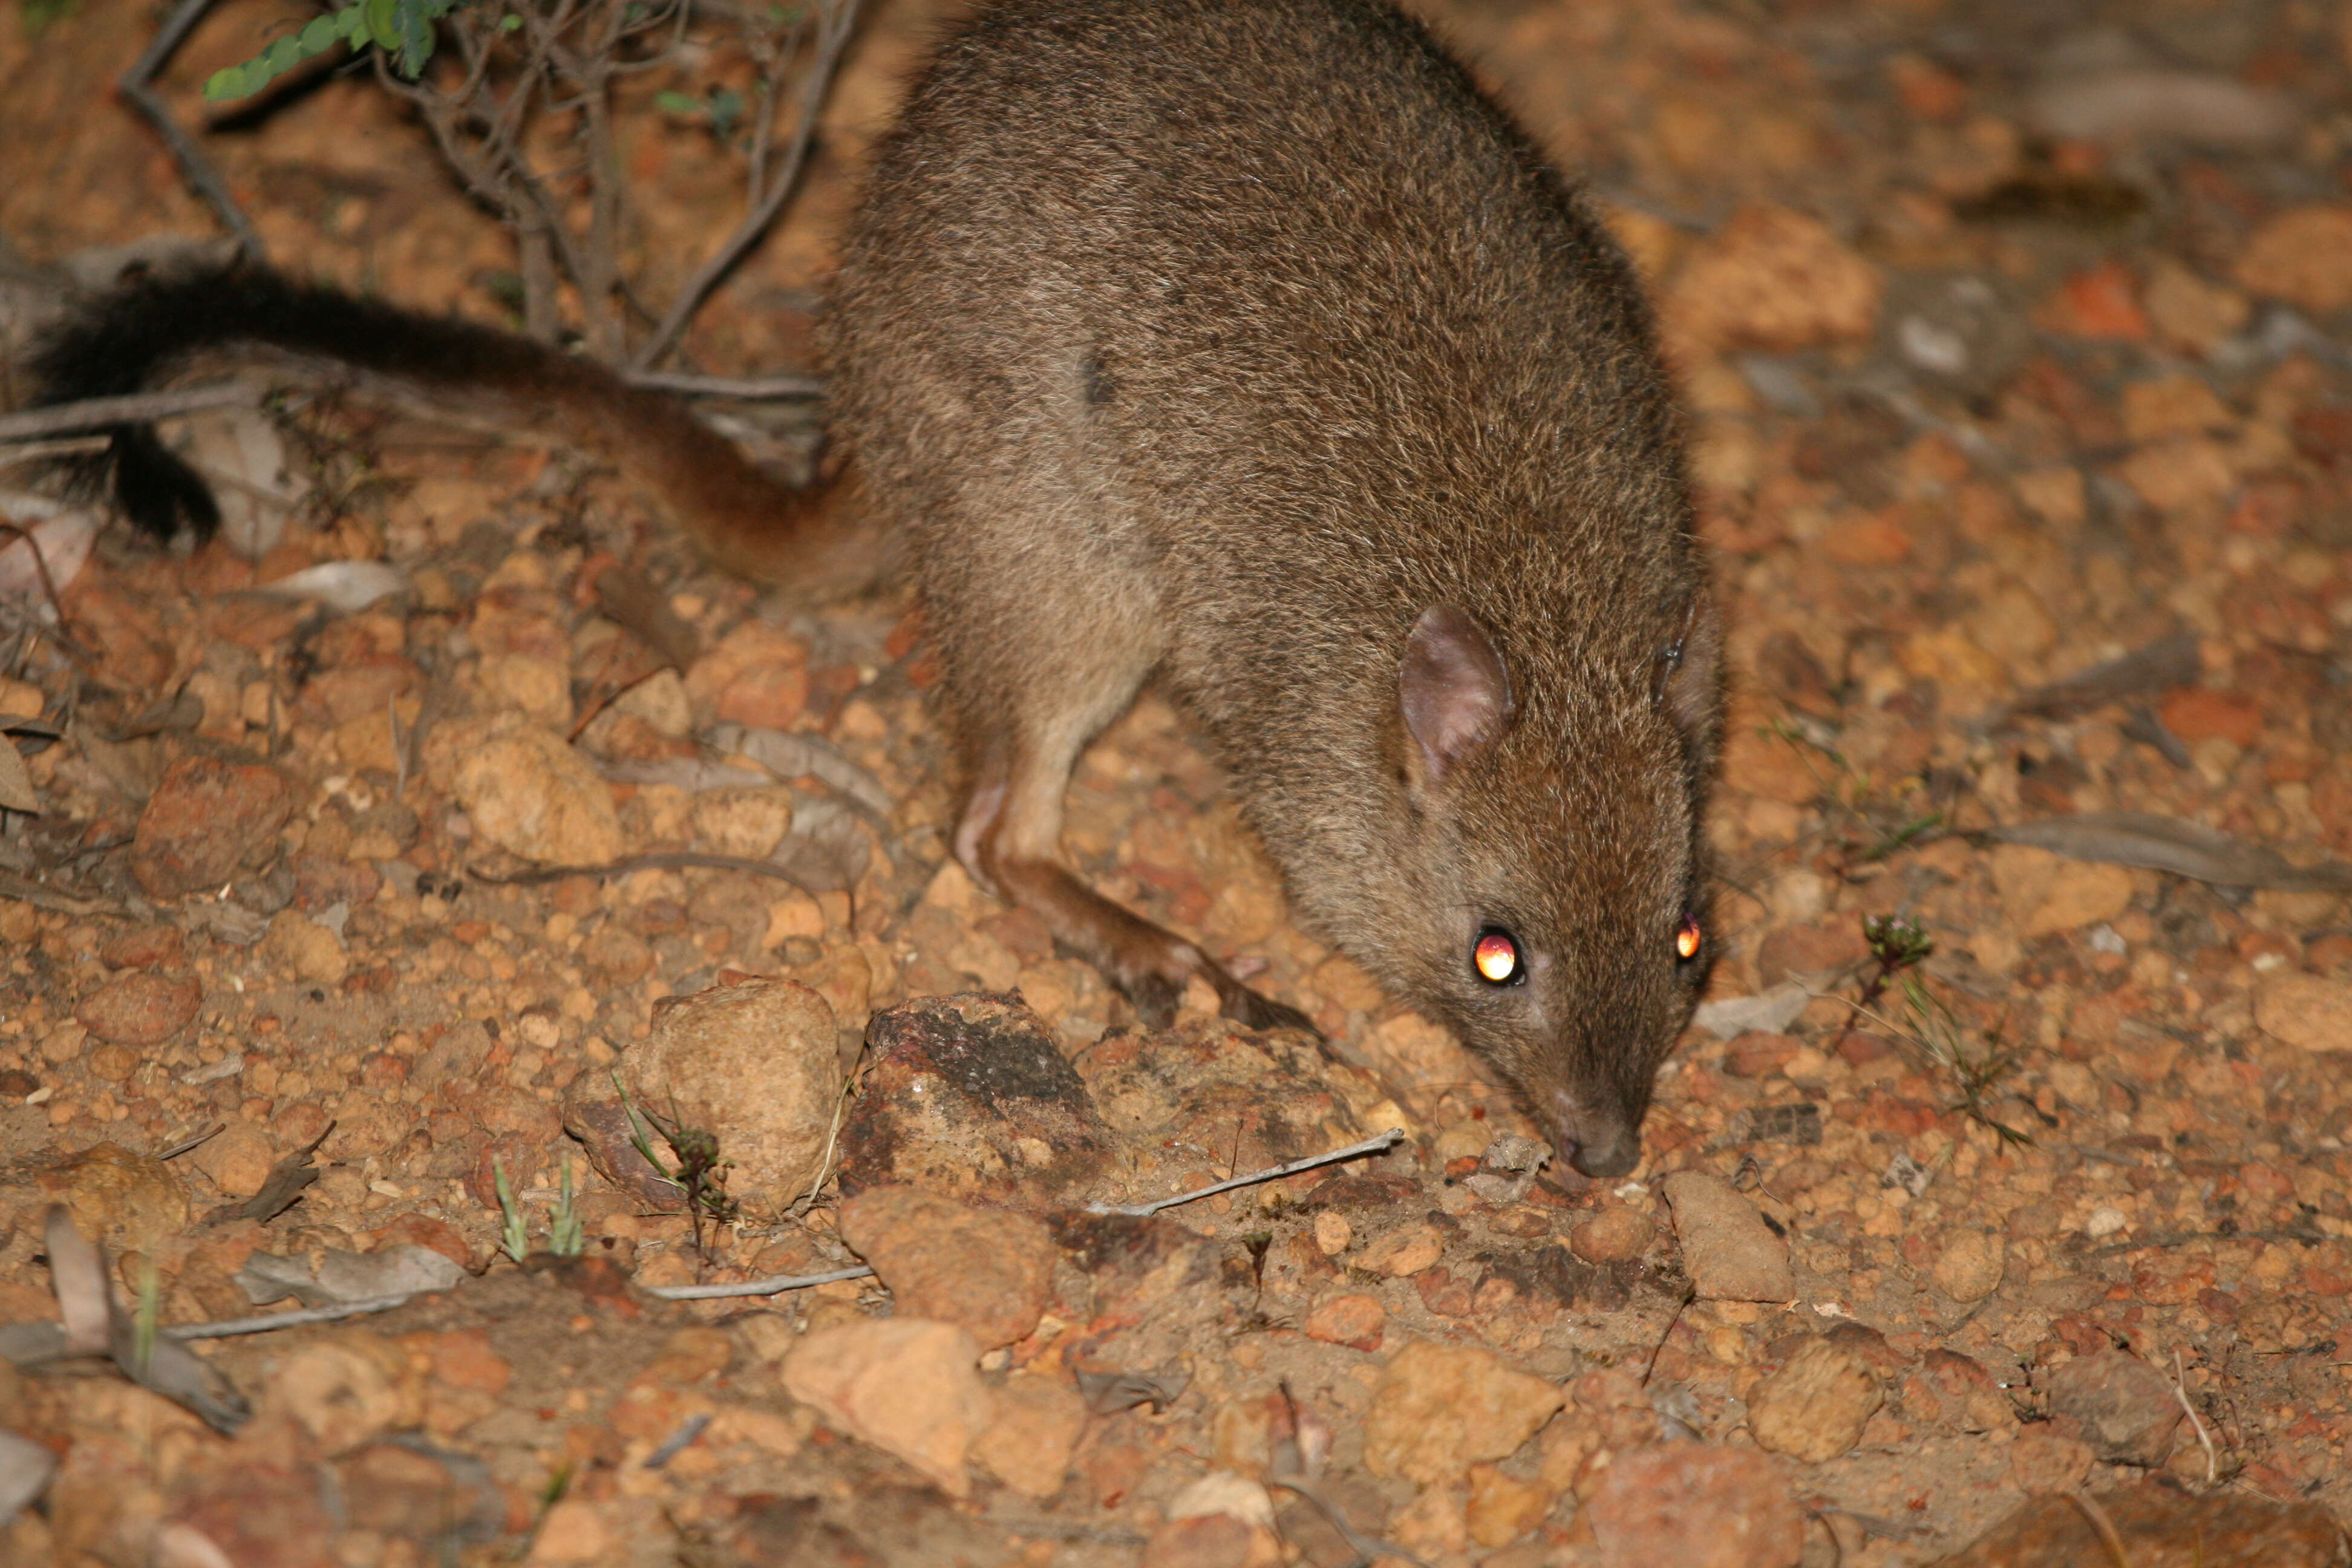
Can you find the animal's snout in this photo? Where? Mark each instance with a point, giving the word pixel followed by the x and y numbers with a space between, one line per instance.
pixel 1596 1143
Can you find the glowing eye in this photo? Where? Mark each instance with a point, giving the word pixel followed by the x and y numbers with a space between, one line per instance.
pixel 1496 958
pixel 1688 939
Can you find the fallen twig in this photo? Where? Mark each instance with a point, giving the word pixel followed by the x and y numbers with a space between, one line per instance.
pixel 1373 1145
pixel 677 1441
pixel 662 860
pixel 2101 1523
pixel 2204 1438
pixel 133 408
pixel 136 84
pixel 773 1285
pixel 228 1328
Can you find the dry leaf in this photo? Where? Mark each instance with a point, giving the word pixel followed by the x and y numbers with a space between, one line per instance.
pixel 2169 843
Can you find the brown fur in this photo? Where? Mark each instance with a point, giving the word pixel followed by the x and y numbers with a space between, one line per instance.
pixel 1243 342
pixel 1222 339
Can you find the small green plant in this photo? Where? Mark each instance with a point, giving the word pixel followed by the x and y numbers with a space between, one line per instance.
pixel 402 29
pixel 698 1170
pixel 1977 1072
pixel 567 1234
pixel 1896 945
pixel 721 108
pixel 514 1233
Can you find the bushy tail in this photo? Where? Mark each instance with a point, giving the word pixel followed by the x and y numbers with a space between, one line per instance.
pixel 125 341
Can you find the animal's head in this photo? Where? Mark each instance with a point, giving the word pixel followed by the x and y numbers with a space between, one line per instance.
pixel 1564 926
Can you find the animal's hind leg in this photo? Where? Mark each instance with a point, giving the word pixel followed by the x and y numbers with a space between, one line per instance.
pixel 1010 840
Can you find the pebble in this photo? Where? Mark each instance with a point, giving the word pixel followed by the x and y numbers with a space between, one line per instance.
pixel 2298 257
pixel 2044 892
pixel 986 1270
pixel 528 792
pixel 140 1008
pixel 1439 1409
pixel 756 1064
pixel 1036 1429
pixel 128 1201
pixel 1970 1266
pixel 2040 1460
pixel 236 1158
pixel 148 947
pixel 908 1386
pixel 746 821
pixel 1731 1254
pixel 203 820
pixel 1403 1253
pixel 1694 1506
pixel 1617 1233
pixel 344 1389
pixel 968 1095
pixel 2158 1528
pixel 1776 280
pixel 2310 1012
pixel 1355 1321
pixel 2128 1409
pixel 1815 1405
pixel 1502 1508
pixel 313 952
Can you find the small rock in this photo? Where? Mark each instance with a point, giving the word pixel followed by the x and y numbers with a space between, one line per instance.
pixel 1731 1254
pixel 1971 1265
pixel 970 1095
pixel 1776 280
pixel 527 791
pixel 907 1386
pixel 1758 1054
pixel 1355 1321
pixel 755 1065
pixel 344 1389
pixel 987 1272
pixel 2298 257
pixel 2040 1460
pixel 2127 1408
pixel 1224 1493
pixel 1815 1407
pixel 1210 1540
pixel 1694 1506
pixel 746 821
pixel 2158 1528
pixel 312 952
pixel 1037 1425
pixel 2312 1012
pixel 2044 892
pixel 1403 1253
pixel 1439 1409
pixel 128 1201
pixel 203 820
pixel 1502 1508
pixel 140 1008
pixel 1617 1233
pixel 421 1495
pixel 236 1158
pixel 149 947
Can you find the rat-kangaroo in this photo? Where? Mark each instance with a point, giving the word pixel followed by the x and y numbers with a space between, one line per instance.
pixel 1244 344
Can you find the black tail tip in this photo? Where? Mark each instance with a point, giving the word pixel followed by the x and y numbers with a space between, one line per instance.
pixel 157 489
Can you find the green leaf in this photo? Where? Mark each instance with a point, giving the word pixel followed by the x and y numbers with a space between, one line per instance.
pixel 684 104
pixel 381 26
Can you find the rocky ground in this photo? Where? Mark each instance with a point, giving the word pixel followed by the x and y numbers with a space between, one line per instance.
pixel 1995 1213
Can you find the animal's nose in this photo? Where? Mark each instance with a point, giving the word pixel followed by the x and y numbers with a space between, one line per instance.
pixel 1603 1147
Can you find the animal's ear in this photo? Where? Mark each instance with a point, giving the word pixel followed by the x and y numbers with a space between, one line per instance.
pixel 1690 675
pixel 1453 689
